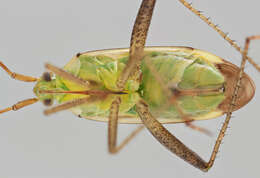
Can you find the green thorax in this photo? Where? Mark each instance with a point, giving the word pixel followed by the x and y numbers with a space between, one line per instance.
pixel 178 68
pixel 103 72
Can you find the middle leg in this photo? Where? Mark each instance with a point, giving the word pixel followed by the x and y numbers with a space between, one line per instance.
pixel 112 129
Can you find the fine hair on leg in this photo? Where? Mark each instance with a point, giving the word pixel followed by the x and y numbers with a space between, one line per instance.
pixel 176 146
pixel 218 30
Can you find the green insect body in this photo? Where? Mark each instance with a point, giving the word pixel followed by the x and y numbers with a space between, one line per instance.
pixel 150 86
pixel 183 71
pixel 179 67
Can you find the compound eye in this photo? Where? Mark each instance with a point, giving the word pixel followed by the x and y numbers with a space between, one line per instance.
pixel 48 102
pixel 46 76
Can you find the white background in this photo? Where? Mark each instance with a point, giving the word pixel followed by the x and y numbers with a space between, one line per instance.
pixel 34 32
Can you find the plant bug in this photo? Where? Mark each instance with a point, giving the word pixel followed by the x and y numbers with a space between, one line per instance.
pixel 116 101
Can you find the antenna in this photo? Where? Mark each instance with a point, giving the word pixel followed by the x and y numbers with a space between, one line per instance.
pixel 16 76
pixel 23 78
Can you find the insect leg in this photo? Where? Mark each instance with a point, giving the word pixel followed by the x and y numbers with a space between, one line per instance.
pixel 233 101
pixel 218 30
pixel 19 105
pixel 138 39
pixel 173 99
pixel 249 39
pixel 167 139
pixel 112 128
pixel 66 75
pixel 197 128
pixel 70 104
pixel 173 144
pixel 187 121
pixel 18 76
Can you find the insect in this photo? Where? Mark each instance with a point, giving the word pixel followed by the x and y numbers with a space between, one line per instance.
pixel 116 88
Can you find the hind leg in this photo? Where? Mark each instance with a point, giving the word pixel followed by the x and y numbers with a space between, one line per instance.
pixel 176 146
pixel 219 31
